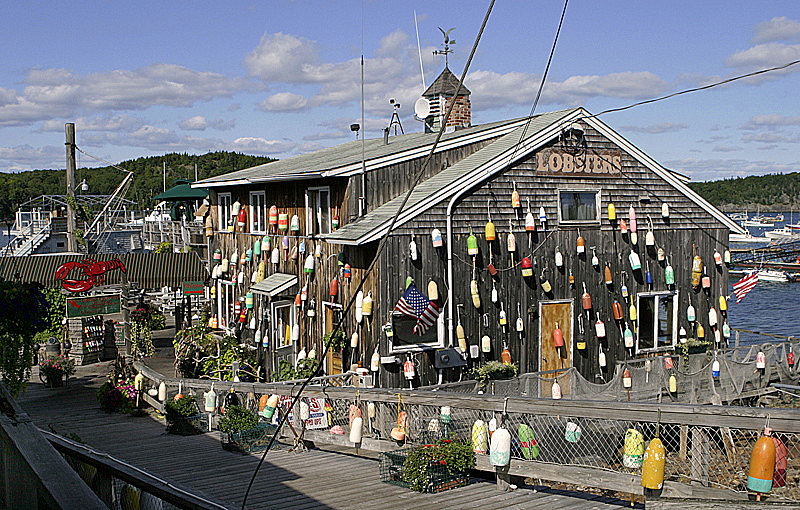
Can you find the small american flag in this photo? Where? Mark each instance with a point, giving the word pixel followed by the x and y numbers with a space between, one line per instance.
pixel 414 304
pixel 745 285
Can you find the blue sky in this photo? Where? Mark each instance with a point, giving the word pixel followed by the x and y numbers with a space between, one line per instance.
pixel 281 78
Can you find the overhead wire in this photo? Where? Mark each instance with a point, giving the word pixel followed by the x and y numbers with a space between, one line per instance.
pixel 338 325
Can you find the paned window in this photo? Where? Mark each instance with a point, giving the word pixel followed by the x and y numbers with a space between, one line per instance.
pixel 578 206
pixel 318 210
pixel 224 211
pixel 258 212
pixel 658 320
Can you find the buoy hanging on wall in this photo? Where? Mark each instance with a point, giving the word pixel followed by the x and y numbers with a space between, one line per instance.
pixel 359 307
pixel 412 250
pixel 294 225
pixel 558 337
pixel 480 441
pixel 366 306
pixel 500 451
pixel 612 212
pixel 476 297
pixel 472 244
pixel 486 344
pixel 527 269
pixel 664 210
pixel 436 238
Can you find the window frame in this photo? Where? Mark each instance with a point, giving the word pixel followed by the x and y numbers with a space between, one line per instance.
pixel 226 297
pixel 259 210
pixel 675 295
pixel 223 211
pixel 597 203
pixel 275 306
pixel 318 229
pixel 434 343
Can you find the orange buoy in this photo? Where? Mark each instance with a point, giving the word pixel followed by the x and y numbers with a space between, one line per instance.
pixel 334 288
pixel 617 310
pixel 586 299
pixel 609 279
pixel 762 464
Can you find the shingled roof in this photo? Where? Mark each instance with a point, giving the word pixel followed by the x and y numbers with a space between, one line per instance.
pixel 446 85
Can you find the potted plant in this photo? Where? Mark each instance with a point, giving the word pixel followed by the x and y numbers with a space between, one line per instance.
pixel 429 468
pixel 183 416
pixel 52 370
pixel 240 431
pixel 493 370
pixel 337 342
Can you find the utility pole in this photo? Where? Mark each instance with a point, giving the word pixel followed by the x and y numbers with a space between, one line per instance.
pixel 70 144
pixel 165 176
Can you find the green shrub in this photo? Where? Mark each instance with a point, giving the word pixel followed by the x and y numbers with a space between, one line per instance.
pixel 237 419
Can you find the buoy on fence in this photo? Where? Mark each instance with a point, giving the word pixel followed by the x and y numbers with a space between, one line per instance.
pixel 262 403
pixel 162 391
pixel 762 465
pixel 580 245
pixel 486 344
pixel 673 383
pixel 356 430
pixel 269 408
pixel 480 442
pixel 558 337
pixel 436 238
pixel 555 391
pixel 527 441
pixel 627 382
pixel 653 463
pixel 473 290
pixel 634 449
pixel 612 212
pixel 294 224
pixel 500 450
pixel 371 410
pixel 781 463
pixel 761 361
pixel 573 432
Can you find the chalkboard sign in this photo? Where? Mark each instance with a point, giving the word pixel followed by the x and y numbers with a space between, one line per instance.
pixel 93 305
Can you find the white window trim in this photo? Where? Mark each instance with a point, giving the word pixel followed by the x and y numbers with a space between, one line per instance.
pixel 261 209
pixel 223 303
pixel 274 322
pixel 223 212
pixel 675 303
pixel 597 204
pixel 317 229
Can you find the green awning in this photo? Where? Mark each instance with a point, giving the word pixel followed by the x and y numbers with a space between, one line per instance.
pixel 182 191
pixel 274 284
pixel 145 270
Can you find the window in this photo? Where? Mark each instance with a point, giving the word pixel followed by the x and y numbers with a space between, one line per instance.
pixel 578 206
pixel 258 212
pixel 283 319
pixel 658 320
pixel 224 211
pixel 225 301
pixel 318 210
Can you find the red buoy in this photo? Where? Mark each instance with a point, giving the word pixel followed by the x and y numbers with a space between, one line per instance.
pixel 558 337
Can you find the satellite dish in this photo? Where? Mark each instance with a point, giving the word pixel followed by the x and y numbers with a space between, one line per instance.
pixel 422 108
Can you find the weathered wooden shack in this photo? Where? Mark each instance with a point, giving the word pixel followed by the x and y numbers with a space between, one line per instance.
pixel 577 177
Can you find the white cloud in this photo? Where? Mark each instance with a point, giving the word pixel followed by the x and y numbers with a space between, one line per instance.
pixel 766 55
pixel 283 102
pixel 283 58
pixel 779 28
pixel 725 148
pixel 196 123
pixel 257 145
pixel 59 92
pixel 771 120
pixel 713 169
pixel 26 157
pixel 120 122
pixel 661 127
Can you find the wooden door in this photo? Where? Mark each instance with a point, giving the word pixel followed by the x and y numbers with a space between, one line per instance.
pixel 333 361
pixel 550 358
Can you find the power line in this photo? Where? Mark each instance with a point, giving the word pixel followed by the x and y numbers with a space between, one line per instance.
pixel 338 326
pixel 112 165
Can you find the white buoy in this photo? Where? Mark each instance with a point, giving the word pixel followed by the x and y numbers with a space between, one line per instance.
pixel 301 355
pixel 412 250
pixel 210 400
pixel 556 391
pixel 296 333
pixel 486 344
pixel 500 449
pixel 305 411
pixel 269 409
pixel 359 306
pixel 354 340
pixel 371 410
pixel 162 391
pixel 312 354
pixel 355 430
pixel 375 361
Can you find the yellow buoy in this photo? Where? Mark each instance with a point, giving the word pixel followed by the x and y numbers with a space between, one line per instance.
pixel 433 291
pixel 634 449
pixel 653 465
pixel 476 297
pixel 612 212
pixel 491 235
pixel 480 440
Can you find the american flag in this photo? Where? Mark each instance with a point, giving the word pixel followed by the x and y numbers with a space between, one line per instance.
pixel 414 304
pixel 745 285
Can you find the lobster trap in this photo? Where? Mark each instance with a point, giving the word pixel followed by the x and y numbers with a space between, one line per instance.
pixel 436 477
pixel 249 441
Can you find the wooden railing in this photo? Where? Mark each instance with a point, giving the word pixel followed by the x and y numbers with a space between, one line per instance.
pixel 32 473
pixel 713 434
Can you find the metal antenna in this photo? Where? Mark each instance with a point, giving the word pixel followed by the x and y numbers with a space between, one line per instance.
pixel 447 43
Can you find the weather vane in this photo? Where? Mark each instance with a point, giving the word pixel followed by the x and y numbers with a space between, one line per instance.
pixel 447 43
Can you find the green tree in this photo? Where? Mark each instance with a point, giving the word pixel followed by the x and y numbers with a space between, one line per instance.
pixel 24 314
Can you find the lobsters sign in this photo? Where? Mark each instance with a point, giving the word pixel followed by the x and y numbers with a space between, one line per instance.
pixel 598 163
pixel 91 273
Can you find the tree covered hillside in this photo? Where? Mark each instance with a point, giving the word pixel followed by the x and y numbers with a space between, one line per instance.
pixel 20 187
pixel 773 192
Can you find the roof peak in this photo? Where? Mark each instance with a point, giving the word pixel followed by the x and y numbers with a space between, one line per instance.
pixel 445 84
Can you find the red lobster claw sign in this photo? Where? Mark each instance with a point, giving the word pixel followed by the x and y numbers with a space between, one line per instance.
pixel 91 270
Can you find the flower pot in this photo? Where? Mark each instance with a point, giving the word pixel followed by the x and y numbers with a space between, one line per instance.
pixel 52 379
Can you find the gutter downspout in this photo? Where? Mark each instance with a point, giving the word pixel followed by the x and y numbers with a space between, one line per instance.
pixel 450 205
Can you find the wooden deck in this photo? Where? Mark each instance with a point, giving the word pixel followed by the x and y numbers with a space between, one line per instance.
pixel 312 479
